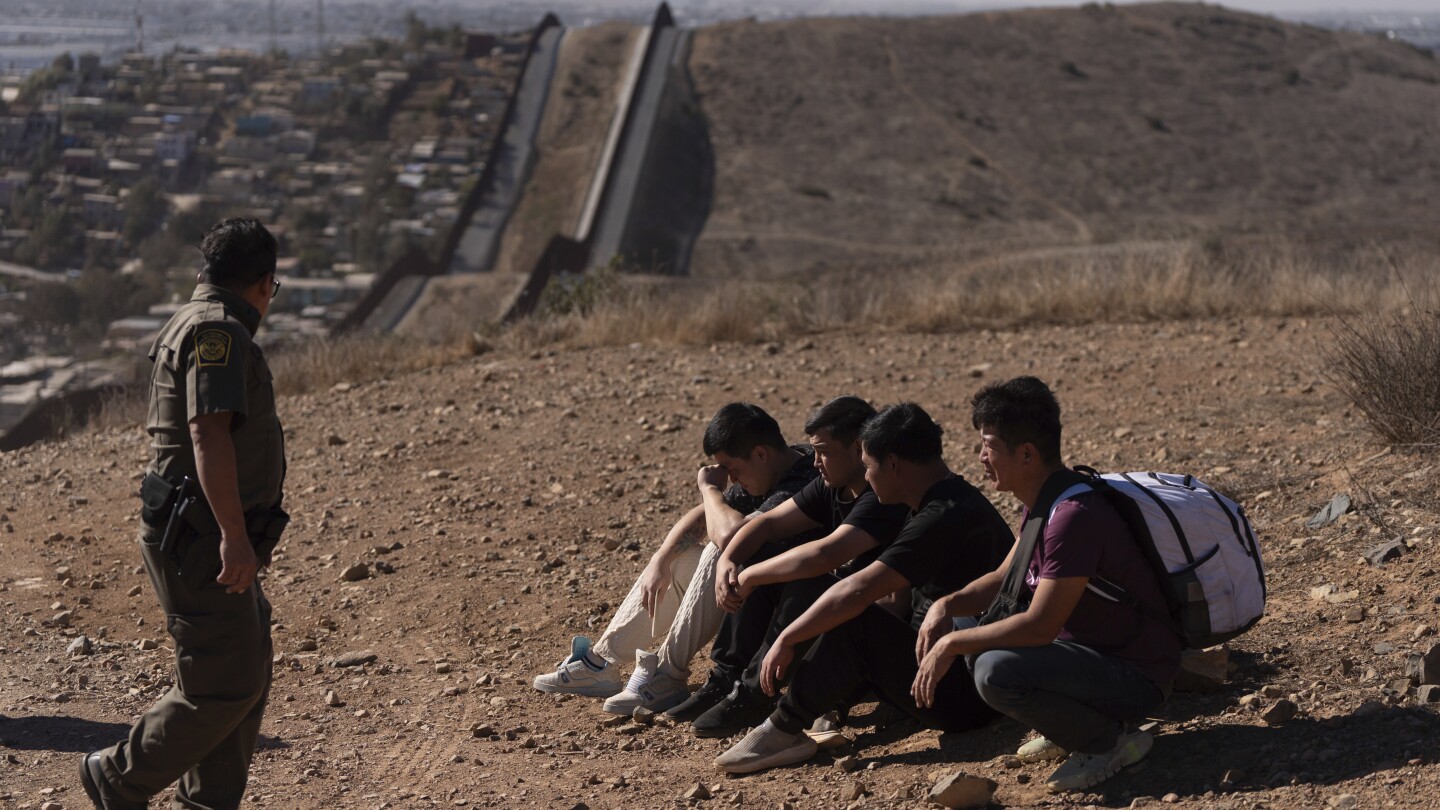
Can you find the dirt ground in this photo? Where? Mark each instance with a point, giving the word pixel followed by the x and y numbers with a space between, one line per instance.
pixel 505 503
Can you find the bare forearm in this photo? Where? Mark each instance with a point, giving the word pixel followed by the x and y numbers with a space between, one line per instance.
pixel 721 522
pixel 687 532
pixel 1019 630
pixel 215 467
pixel 974 598
pixel 797 563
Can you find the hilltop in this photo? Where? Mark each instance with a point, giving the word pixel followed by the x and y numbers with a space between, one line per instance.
pixel 880 143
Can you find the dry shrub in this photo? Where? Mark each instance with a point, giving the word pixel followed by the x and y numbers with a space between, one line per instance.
pixel 1389 367
pixel 122 408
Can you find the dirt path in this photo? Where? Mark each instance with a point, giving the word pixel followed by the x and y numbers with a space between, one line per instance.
pixel 516 496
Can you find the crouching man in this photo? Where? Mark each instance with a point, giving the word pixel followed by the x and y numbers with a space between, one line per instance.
pixel 1073 665
pixel 951 536
pixel 673 600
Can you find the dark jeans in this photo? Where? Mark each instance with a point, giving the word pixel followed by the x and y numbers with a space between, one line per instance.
pixel 203 731
pixel 875 650
pixel 746 635
pixel 1077 697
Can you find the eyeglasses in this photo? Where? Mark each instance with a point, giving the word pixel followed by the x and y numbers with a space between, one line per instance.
pixel 274 290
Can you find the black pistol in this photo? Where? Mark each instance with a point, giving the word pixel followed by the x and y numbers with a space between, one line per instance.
pixel 182 502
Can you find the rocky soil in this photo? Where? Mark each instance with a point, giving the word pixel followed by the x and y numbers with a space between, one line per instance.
pixel 453 528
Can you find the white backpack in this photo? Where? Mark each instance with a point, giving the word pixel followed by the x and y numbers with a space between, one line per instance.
pixel 1200 545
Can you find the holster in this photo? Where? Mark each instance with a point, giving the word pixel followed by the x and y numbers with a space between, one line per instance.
pixel 183 513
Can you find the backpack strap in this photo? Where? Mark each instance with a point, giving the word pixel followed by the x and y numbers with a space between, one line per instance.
pixel 1055 489
pixel 1135 521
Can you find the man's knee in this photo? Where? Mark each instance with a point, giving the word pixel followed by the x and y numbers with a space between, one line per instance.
pixel 997 677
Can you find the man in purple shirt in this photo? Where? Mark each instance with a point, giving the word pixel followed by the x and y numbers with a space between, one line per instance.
pixel 1073 665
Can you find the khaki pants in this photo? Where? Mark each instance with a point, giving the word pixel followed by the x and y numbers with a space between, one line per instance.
pixel 203 731
pixel 687 617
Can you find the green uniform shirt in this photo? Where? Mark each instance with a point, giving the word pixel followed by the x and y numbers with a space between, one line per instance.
pixel 206 361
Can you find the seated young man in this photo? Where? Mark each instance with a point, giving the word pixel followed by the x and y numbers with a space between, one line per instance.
pixel 673 598
pixel 777 585
pixel 951 536
pixel 1072 665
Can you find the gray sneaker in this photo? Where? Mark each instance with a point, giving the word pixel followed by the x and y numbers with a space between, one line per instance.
pixel 1040 749
pixel 648 688
pixel 576 677
pixel 1081 771
pixel 766 747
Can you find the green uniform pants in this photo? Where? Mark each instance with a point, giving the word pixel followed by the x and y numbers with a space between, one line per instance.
pixel 203 731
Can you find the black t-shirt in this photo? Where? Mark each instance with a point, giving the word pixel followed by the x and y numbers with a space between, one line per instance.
pixel 955 537
pixel 832 508
pixel 795 478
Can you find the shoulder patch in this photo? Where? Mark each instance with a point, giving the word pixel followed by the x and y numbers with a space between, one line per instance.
pixel 212 348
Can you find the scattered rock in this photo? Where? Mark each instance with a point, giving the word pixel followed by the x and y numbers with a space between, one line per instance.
pixel 1332 594
pixel 483 731
pixel 848 764
pixel 80 646
pixel 1203 670
pixel 350 659
pixel 1353 614
pixel 853 791
pixel 334 440
pixel 356 573
pixel 62 619
pixel 146 644
pixel 1282 711
pixel 443 668
pixel 307 645
pixel 698 792
pixel 1429 693
pixel 962 790
pixel 1378 555
pixel 333 700
pixel 134 591
pixel 1423 668
pixel 1343 801
pixel 1339 505
pixel 643 716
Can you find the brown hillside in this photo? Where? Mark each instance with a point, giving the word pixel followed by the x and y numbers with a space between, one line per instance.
pixel 885 142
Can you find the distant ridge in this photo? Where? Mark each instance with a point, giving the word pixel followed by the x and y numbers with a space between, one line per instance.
pixel 867 142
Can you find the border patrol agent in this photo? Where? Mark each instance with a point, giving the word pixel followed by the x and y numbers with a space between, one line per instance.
pixel 211 501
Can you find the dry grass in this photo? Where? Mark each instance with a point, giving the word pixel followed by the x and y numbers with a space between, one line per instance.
pixel 1150 282
pixel 1156 282
pixel 317 365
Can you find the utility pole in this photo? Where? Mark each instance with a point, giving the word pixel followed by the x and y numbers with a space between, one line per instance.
pixel 139 28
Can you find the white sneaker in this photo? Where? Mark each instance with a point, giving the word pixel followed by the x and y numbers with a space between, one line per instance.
pixel 1039 750
pixel 576 677
pixel 648 688
pixel 1083 771
pixel 766 747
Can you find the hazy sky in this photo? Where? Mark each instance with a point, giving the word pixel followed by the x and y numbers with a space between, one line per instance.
pixel 1272 6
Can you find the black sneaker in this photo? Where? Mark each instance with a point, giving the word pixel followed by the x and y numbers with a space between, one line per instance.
pixel 738 711
pixel 98 788
pixel 711 692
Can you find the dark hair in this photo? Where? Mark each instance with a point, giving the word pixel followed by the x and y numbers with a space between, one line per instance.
pixel 842 416
pixel 238 253
pixel 738 428
pixel 1020 411
pixel 904 430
